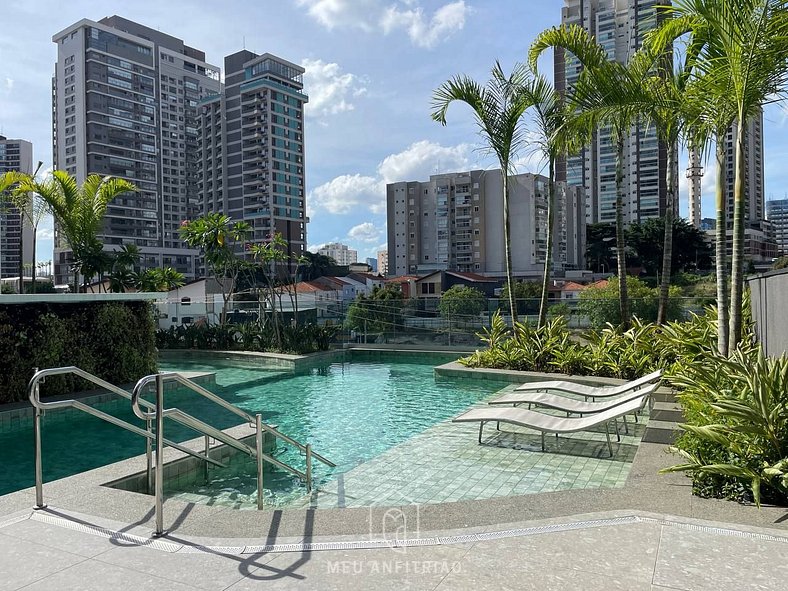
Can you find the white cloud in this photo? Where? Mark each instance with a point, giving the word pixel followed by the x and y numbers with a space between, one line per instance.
pixel 329 88
pixel 365 232
pixel 45 234
pixel 421 159
pixel 426 31
pixel 372 16
pixel 9 84
pixel 346 193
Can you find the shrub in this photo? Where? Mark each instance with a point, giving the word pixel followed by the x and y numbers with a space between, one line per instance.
pixel 736 434
pixel 601 305
pixel 250 336
pixel 113 340
pixel 460 300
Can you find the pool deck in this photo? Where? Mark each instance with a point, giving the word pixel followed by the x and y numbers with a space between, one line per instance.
pixel 650 533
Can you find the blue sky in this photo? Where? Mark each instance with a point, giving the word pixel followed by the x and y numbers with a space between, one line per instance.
pixel 371 68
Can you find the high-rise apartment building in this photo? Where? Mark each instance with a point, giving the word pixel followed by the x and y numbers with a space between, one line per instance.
pixel 454 222
pixel 619 26
pixel 777 215
pixel 753 179
pixel 125 103
pixel 15 155
pixel 252 148
pixel 340 253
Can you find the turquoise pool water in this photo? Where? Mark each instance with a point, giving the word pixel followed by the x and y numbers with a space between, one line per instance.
pixel 349 412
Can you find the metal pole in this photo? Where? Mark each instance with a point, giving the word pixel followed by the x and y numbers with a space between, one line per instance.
pixel 259 445
pixel 207 451
pixel 308 452
pixel 149 457
pixel 159 455
pixel 39 465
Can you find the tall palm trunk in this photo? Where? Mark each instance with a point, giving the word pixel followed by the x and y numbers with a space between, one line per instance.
pixel 21 251
pixel 721 250
pixel 507 241
pixel 623 296
pixel 667 247
pixel 737 258
pixel 33 286
pixel 548 256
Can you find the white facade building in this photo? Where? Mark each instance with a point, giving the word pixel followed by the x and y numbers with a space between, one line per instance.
pixel 341 253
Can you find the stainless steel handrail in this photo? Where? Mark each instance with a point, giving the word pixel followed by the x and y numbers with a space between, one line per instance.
pixel 33 390
pixel 159 413
pixel 230 407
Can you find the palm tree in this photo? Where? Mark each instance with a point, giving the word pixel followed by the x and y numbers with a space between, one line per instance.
pixel 597 109
pixel 742 65
pixel 123 268
pixel 498 108
pixel 10 196
pixel 78 210
pixel 219 238
pixel 157 279
pixel 557 137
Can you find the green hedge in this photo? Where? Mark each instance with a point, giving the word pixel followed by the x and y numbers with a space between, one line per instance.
pixel 113 340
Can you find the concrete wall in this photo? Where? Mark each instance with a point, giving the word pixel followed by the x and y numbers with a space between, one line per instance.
pixel 768 293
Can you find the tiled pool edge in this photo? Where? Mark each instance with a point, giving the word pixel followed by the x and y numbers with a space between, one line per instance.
pixel 455 369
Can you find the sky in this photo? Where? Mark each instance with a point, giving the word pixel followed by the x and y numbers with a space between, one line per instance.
pixel 371 68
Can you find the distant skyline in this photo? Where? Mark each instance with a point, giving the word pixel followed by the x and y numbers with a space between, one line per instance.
pixel 371 67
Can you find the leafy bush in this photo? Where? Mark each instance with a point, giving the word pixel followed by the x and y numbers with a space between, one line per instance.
pixel 601 305
pixel 608 352
pixel 250 336
pixel 460 300
pixel 736 434
pixel 113 340
pixel 378 312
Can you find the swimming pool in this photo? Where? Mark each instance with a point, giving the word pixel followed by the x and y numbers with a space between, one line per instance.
pixel 350 412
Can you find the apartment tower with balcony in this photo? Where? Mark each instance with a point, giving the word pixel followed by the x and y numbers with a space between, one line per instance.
pixel 619 26
pixel 125 103
pixel 252 148
pixel 453 222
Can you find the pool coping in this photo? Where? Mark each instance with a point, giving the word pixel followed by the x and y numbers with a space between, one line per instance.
pixel 645 490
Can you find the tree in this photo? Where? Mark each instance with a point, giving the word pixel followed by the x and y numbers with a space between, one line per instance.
pixel 781 263
pixel 460 300
pixel 78 210
pixel 33 209
pixel 156 279
pixel 314 265
pixel 599 304
pixel 220 239
pixel 742 64
pixel 498 108
pixel 557 136
pixel 526 294
pixel 598 106
pixel 690 250
pixel 598 245
pixel 379 312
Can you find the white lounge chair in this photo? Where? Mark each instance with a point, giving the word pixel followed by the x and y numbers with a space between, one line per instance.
pixel 589 391
pixel 550 423
pixel 573 405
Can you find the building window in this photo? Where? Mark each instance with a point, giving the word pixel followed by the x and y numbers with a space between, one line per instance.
pixel 427 288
